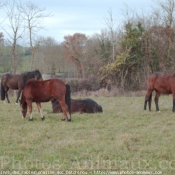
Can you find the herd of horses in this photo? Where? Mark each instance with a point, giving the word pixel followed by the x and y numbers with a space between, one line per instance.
pixel 35 89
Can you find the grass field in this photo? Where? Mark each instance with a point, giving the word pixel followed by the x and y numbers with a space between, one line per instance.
pixel 123 138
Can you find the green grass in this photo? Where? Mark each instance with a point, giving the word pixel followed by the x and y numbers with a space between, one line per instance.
pixel 123 138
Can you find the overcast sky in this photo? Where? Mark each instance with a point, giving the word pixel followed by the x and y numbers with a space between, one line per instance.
pixel 84 16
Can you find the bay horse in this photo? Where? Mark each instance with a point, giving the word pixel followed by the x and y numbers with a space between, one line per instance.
pixel 16 82
pixel 78 105
pixel 161 83
pixel 43 91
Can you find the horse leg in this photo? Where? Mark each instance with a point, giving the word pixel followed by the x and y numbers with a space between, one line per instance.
pixel 148 99
pixel 156 99
pixel 173 102
pixel 29 104
pixel 63 116
pixel 149 102
pixel 66 114
pixel 7 97
pixel 6 94
pixel 18 95
pixel 40 110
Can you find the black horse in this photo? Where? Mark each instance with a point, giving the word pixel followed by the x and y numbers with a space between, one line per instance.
pixel 78 105
pixel 16 82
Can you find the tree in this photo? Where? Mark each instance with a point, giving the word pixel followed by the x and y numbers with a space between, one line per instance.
pixel 111 22
pixel 93 56
pixel 129 62
pixel 105 47
pixel 48 55
pixel 16 26
pixel 1 46
pixel 74 50
pixel 33 17
pixel 167 16
pixel 1 40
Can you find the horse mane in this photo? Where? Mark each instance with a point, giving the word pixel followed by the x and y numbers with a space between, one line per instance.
pixel 26 73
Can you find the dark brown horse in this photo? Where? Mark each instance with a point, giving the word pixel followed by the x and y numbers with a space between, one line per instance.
pixel 16 82
pixel 43 91
pixel 161 83
pixel 78 105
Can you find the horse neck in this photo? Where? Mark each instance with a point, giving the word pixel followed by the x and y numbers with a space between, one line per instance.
pixel 29 75
pixel 23 101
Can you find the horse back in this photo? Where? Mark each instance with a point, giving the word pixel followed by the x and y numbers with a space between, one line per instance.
pixel 10 80
pixel 163 83
pixel 85 106
pixel 43 90
pixel 53 84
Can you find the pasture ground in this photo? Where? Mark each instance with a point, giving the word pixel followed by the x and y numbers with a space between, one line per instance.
pixel 123 138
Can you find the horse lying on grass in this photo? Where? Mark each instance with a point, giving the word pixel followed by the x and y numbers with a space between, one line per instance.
pixel 78 105
pixel 161 83
pixel 43 91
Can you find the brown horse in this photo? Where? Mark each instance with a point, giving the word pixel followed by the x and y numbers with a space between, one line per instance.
pixel 43 91
pixel 16 81
pixel 78 105
pixel 161 83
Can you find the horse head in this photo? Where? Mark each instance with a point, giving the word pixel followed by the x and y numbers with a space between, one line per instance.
pixel 23 105
pixel 37 75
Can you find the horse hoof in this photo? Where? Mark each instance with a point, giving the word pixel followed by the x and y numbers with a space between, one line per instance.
pixel 43 118
pixel 63 119
pixel 23 117
pixel 69 120
pixel 31 119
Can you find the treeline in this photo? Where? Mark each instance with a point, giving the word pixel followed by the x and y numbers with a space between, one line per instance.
pixel 122 55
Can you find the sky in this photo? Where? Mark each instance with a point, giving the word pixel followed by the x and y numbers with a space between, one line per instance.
pixel 84 16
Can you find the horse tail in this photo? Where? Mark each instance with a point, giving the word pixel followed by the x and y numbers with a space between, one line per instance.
pixel 23 105
pixel 2 92
pixel 68 97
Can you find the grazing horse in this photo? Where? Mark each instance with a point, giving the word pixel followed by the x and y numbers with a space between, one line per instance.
pixel 161 83
pixel 79 105
pixel 43 91
pixel 16 81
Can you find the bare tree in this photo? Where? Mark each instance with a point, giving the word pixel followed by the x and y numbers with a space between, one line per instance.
pixel 14 28
pixel 167 16
pixel 168 9
pixel 49 55
pixel 111 24
pixel 33 17
pixel 1 42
